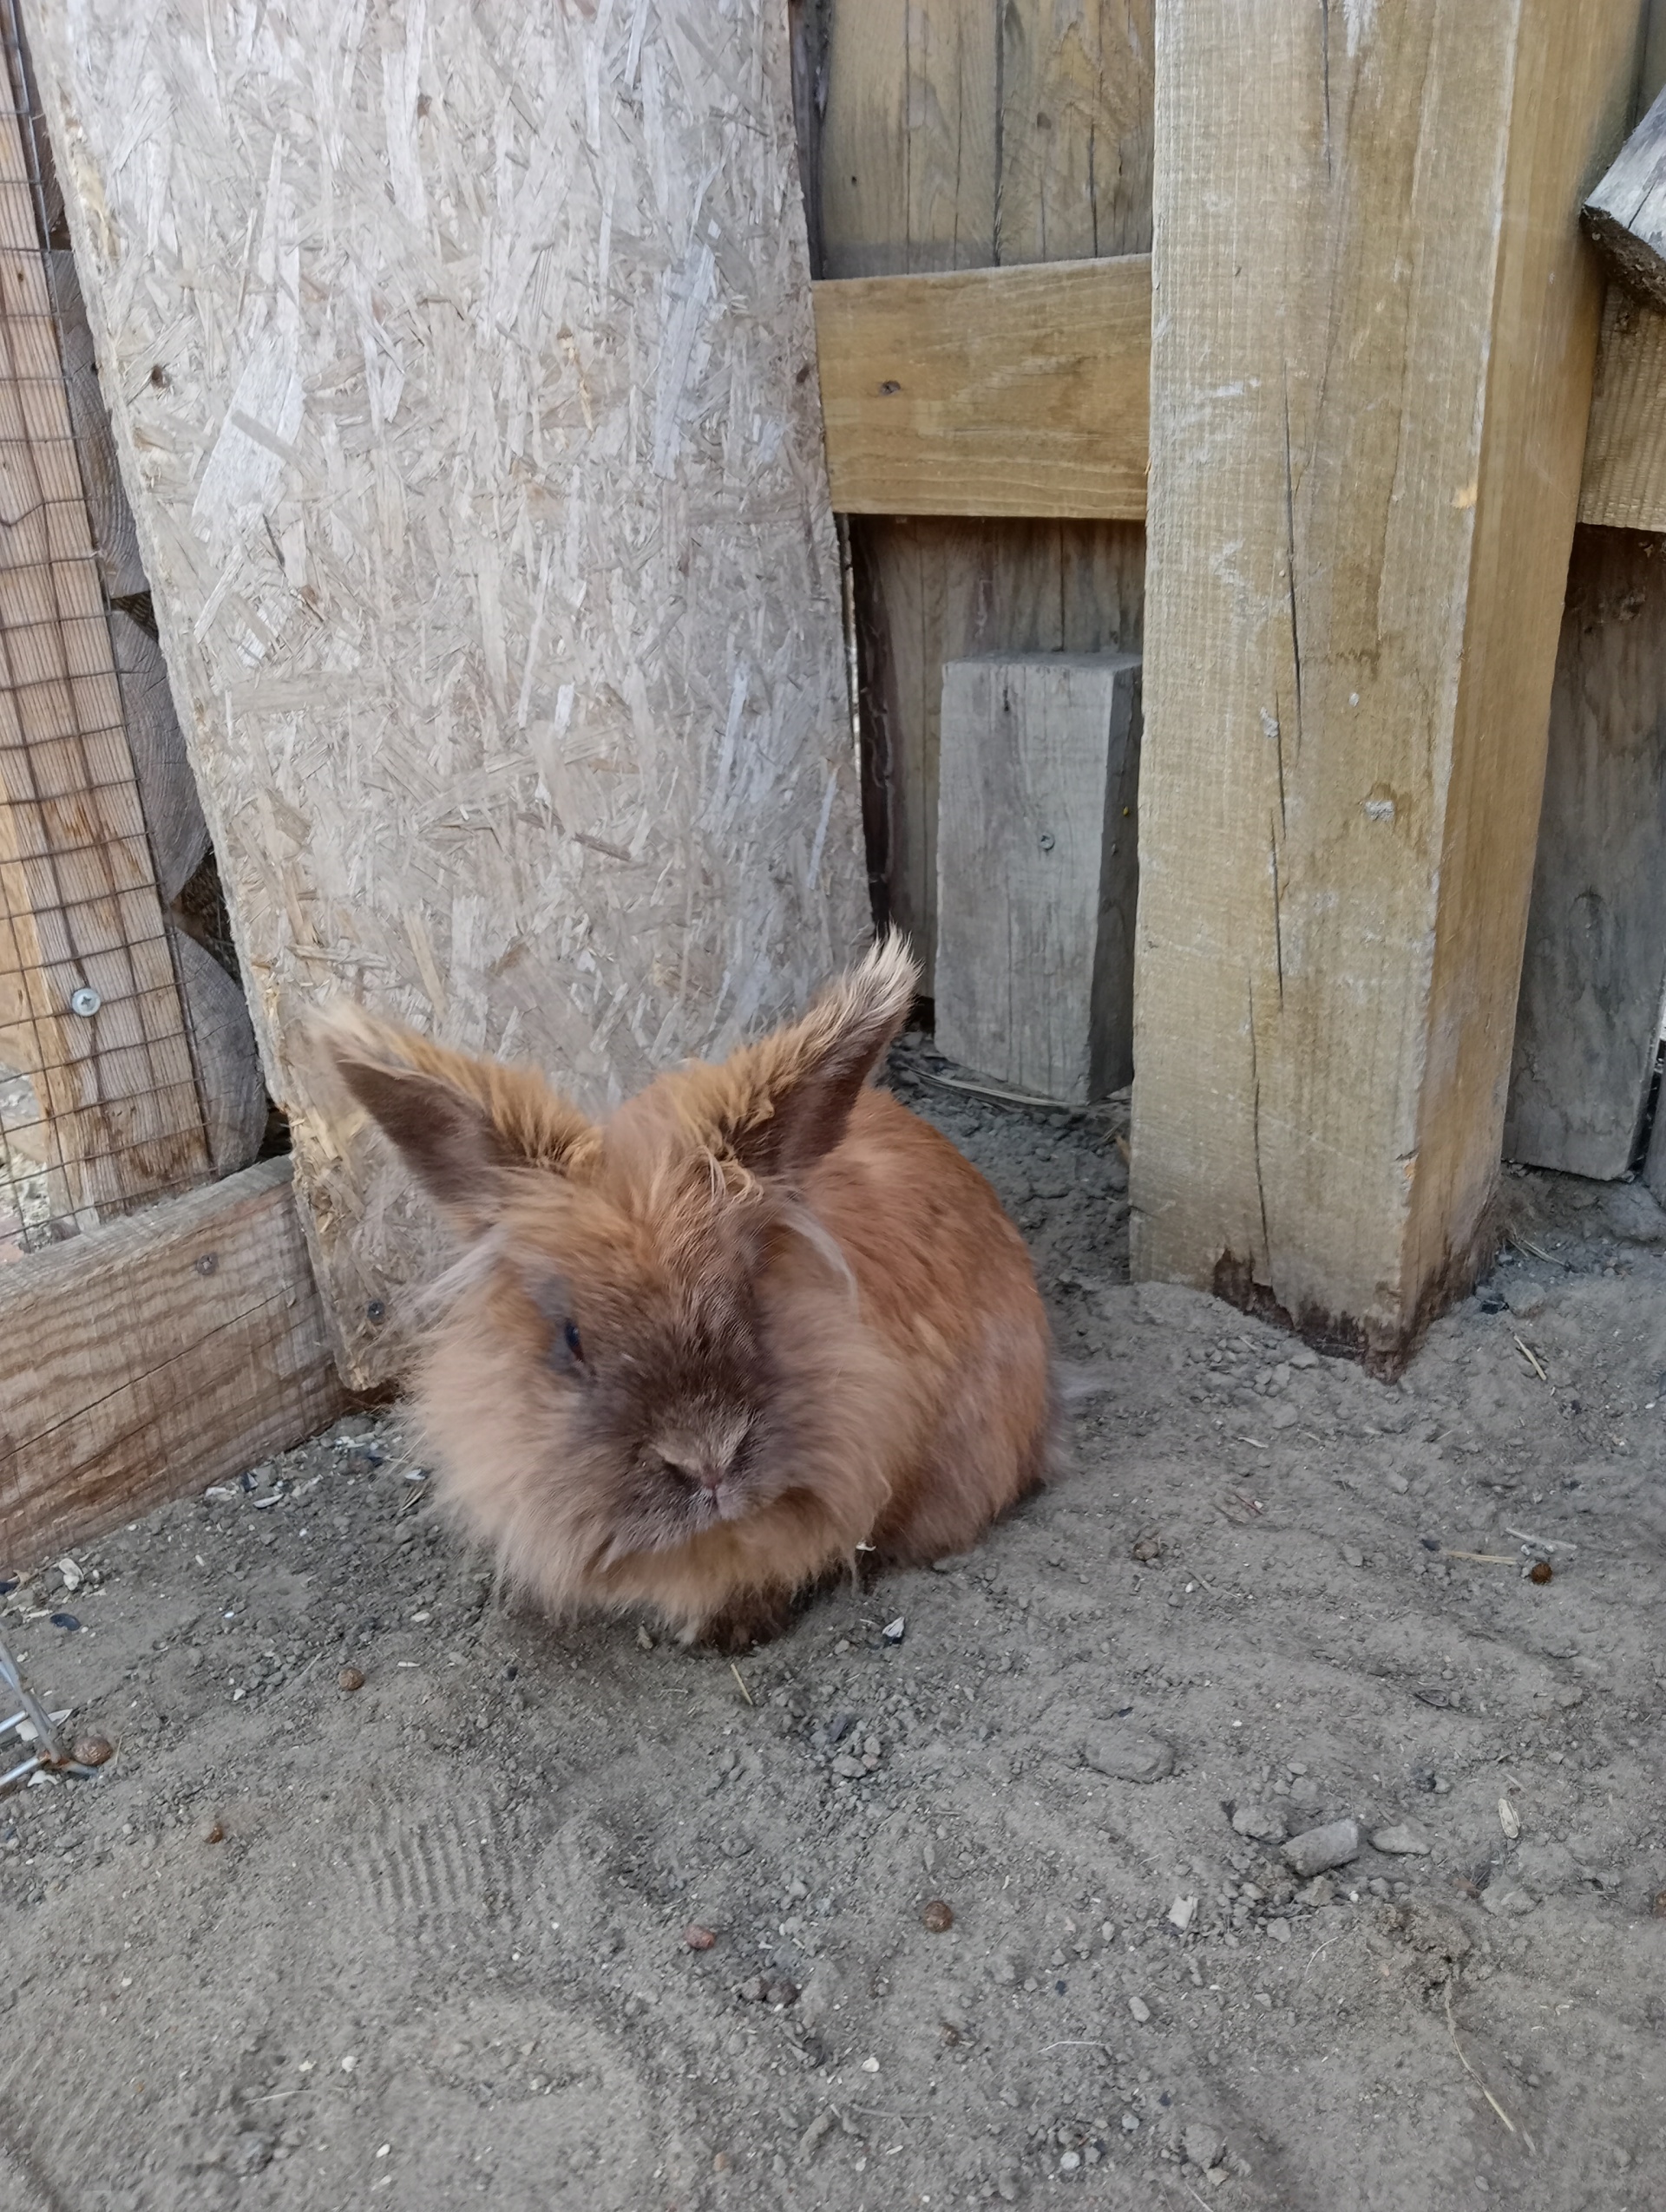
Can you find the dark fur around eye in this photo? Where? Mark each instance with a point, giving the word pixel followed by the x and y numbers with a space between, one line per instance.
pixel 565 1353
pixel 571 1338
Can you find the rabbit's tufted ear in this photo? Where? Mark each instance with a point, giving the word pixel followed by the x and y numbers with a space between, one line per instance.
pixel 780 1105
pixel 461 1125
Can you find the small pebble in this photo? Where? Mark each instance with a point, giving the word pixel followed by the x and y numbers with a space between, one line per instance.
pixel 699 1939
pixel 1318 1848
pixel 1401 1841
pixel 721 2162
pixel 1069 2162
pixel 1140 2009
pixel 1126 1755
pixel 870 2065
pixel 1352 1557
pixel 938 1916
pixel 1259 1823
pixel 93 1751
pixel 1659 1906
pixel 215 1834
pixel 350 1678
pixel 65 1620
pixel 894 1630
pixel 1539 1571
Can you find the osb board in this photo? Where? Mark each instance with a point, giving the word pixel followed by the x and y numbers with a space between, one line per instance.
pixel 156 1354
pixel 961 134
pixel 462 366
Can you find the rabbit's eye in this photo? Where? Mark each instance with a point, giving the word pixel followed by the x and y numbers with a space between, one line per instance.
pixel 571 1338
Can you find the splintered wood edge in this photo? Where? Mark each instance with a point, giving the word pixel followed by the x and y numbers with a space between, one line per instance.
pixel 152 1356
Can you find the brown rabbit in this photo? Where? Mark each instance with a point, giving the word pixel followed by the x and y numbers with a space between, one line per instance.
pixel 761 1319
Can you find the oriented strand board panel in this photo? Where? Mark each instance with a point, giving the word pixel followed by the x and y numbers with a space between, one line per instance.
pixel 462 364
pixel 1374 327
pixel 1588 1017
pixel 958 134
pixel 1017 391
pixel 154 1355
pixel 1036 871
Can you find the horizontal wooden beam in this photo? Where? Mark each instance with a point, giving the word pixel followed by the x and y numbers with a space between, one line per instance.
pixel 1025 391
pixel 1624 481
pixel 1012 391
pixel 146 1358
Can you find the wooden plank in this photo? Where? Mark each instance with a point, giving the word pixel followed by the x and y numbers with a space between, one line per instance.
pixel 1375 335
pixel 1623 486
pixel 1589 1016
pixel 996 391
pixel 119 1114
pixel 1036 871
pixel 931 592
pixel 1075 130
pixel 155 1355
pixel 1625 216
pixel 907 169
pixel 928 590
pixel 479 487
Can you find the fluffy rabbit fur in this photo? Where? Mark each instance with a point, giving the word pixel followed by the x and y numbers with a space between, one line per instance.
pixel 760 1320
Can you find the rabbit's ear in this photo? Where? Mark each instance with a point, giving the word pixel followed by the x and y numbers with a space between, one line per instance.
pixel 461 1125
pixel 782 1104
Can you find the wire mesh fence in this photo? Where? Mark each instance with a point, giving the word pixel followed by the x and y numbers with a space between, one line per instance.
pixel 100 1107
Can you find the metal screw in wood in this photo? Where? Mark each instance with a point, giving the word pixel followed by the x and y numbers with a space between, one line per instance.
pixel 26 1725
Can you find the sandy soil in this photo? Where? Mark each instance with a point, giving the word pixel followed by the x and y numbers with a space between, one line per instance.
pixel 423 1942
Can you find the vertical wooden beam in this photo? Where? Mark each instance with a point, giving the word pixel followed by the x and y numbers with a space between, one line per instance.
pixel 1036 871
pixel 1373 330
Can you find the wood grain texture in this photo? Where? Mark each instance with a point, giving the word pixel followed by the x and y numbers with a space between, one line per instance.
pixel 1589 1016
pixel 169 798
pixel 461 361
pixel 1036 871
pixel 932 591
pixel 79 905
pixel 234 1094
pixel 1076 129
pixel 1625 216
pixel 153 1356
pixel 1623 484
pixel 1018 391
pixel 1069 102
pixel 1375 329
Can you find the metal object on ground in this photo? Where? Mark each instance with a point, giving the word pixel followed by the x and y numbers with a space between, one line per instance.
pixel 25 1726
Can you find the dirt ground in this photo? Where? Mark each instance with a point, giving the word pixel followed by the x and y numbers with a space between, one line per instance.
pixel 424 1941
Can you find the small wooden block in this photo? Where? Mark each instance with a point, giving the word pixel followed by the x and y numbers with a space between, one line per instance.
pixel 1036 870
